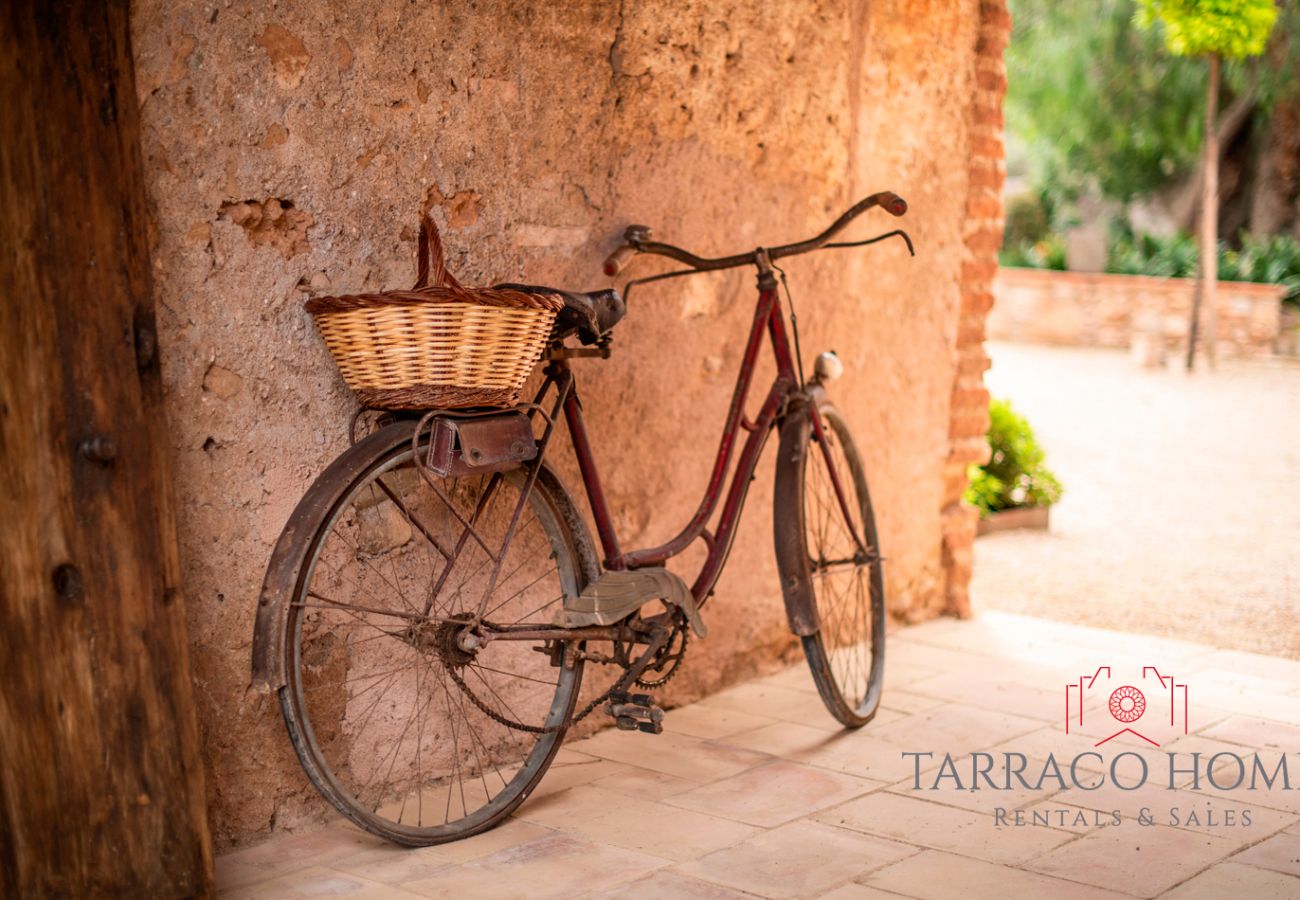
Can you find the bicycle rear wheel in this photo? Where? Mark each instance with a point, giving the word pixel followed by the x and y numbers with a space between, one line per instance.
pixel 402 729
pixel 816 545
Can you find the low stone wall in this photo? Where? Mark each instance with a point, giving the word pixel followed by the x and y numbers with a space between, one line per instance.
pixel 1096 310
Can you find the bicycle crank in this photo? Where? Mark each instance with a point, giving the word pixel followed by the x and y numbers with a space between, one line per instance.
pixel 635 712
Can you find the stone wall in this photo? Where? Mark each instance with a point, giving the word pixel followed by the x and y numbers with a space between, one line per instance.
pixel 1095 310
pixel 292 147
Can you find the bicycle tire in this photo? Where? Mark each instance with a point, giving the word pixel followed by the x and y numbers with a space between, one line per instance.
pixel 846 652
pixel 381 454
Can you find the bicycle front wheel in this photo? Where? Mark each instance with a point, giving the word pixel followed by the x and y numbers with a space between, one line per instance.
pixel 405 730
pixel 837 555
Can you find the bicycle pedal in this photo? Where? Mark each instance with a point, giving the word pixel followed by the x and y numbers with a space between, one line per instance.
pixel 636 712
pixel 645 700
pixel 630 723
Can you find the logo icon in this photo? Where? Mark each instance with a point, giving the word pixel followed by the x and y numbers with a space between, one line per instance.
pixel 1128 705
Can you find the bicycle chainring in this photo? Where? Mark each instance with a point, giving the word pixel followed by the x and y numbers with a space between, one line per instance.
pixel 669 658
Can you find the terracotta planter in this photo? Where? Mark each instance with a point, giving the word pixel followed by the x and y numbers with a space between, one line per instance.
pixel 1033 518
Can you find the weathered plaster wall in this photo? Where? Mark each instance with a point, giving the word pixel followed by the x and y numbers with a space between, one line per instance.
pixel 292 147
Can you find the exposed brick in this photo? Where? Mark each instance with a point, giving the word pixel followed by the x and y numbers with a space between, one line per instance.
pixel 984 206
pixel 972 361
pixel 989 114
pixel 976 302
pixel 984 270
pixel 985 241
pixel 985 146
pixel 986 177
pixel 991 81
pixel 981 238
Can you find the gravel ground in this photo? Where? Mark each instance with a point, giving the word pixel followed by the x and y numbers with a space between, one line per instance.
pixel 1181 515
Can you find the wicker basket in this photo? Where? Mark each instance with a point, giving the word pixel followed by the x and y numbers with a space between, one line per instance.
pixel 438 345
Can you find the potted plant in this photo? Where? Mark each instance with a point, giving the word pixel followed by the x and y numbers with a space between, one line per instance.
pixel 1014 489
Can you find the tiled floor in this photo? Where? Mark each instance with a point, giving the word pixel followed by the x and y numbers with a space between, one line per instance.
pixel 754 792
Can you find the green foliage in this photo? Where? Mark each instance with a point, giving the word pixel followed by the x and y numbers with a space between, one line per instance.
pixel 1015 475
pixel 1232 29
pixel 1096 101
pixel 1146 254
pixel 1049 253
pixel 1270 259
pixel 1027 220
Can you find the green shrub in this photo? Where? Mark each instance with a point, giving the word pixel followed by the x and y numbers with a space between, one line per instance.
pixel 1145 254
pixel 1015 475
pixel 1027 221
pixel 1269 259
pixel 1049 253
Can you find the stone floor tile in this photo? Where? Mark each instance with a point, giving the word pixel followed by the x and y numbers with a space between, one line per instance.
pixel 667 883
pixel 972 794
pixel 673 754
pixel 906 701
pixel 800 859
pixel 645 826
pixel 712 722
pixel 637 782
pixel 394 864
pixel 399 865
pixel 924 660
pixel 1137 860
pixel 855 891
pixel 771 701
pixel 1051 740
pixel 796 677
pixel 1281 853
pixel 1231 880
pixel 771 794
pixel 1064 817
pixel 1255 733
pixel 1207 748
pixel 287 853
pixel 943 876
pixel 1275 667
pixel 559 866
pixel 853 752
pixel 570 769
pixel 316 881
pixel 955 729
pixel 985 690
pixel 942 827
pixel 1241 694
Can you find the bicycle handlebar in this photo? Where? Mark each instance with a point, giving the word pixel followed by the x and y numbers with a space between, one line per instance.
pixel 637 240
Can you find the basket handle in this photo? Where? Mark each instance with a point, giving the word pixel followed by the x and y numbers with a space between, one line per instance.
pixel 431 267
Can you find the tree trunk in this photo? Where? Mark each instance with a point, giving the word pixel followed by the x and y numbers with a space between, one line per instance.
pixel 1209 259
pixel 101 781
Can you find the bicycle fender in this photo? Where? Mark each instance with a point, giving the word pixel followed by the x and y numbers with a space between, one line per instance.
pixel 787 518
pixel 295 543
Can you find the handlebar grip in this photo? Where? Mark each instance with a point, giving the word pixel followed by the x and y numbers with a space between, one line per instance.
pixel 615 262
pixel 892 203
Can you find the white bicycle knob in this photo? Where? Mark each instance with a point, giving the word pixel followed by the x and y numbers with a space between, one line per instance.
pixel 828 367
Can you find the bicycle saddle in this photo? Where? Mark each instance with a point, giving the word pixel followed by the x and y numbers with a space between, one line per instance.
pixel 591 316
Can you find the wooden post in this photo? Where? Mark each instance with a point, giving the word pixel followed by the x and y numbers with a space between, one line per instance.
pixel 1210 217
pixel 1208 268
pixel 101 781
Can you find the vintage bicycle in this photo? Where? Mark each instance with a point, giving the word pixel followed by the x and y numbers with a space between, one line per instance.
pixel 433 602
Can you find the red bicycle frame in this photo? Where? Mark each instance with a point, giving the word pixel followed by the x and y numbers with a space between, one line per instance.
pixel 767 317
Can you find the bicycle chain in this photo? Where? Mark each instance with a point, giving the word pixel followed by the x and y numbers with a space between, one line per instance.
pixel 621 685
pixel 677 663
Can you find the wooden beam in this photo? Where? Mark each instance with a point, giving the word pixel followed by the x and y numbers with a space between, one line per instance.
pixel 101 781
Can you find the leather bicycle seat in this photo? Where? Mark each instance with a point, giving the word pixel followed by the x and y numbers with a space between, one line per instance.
pixel 590 315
